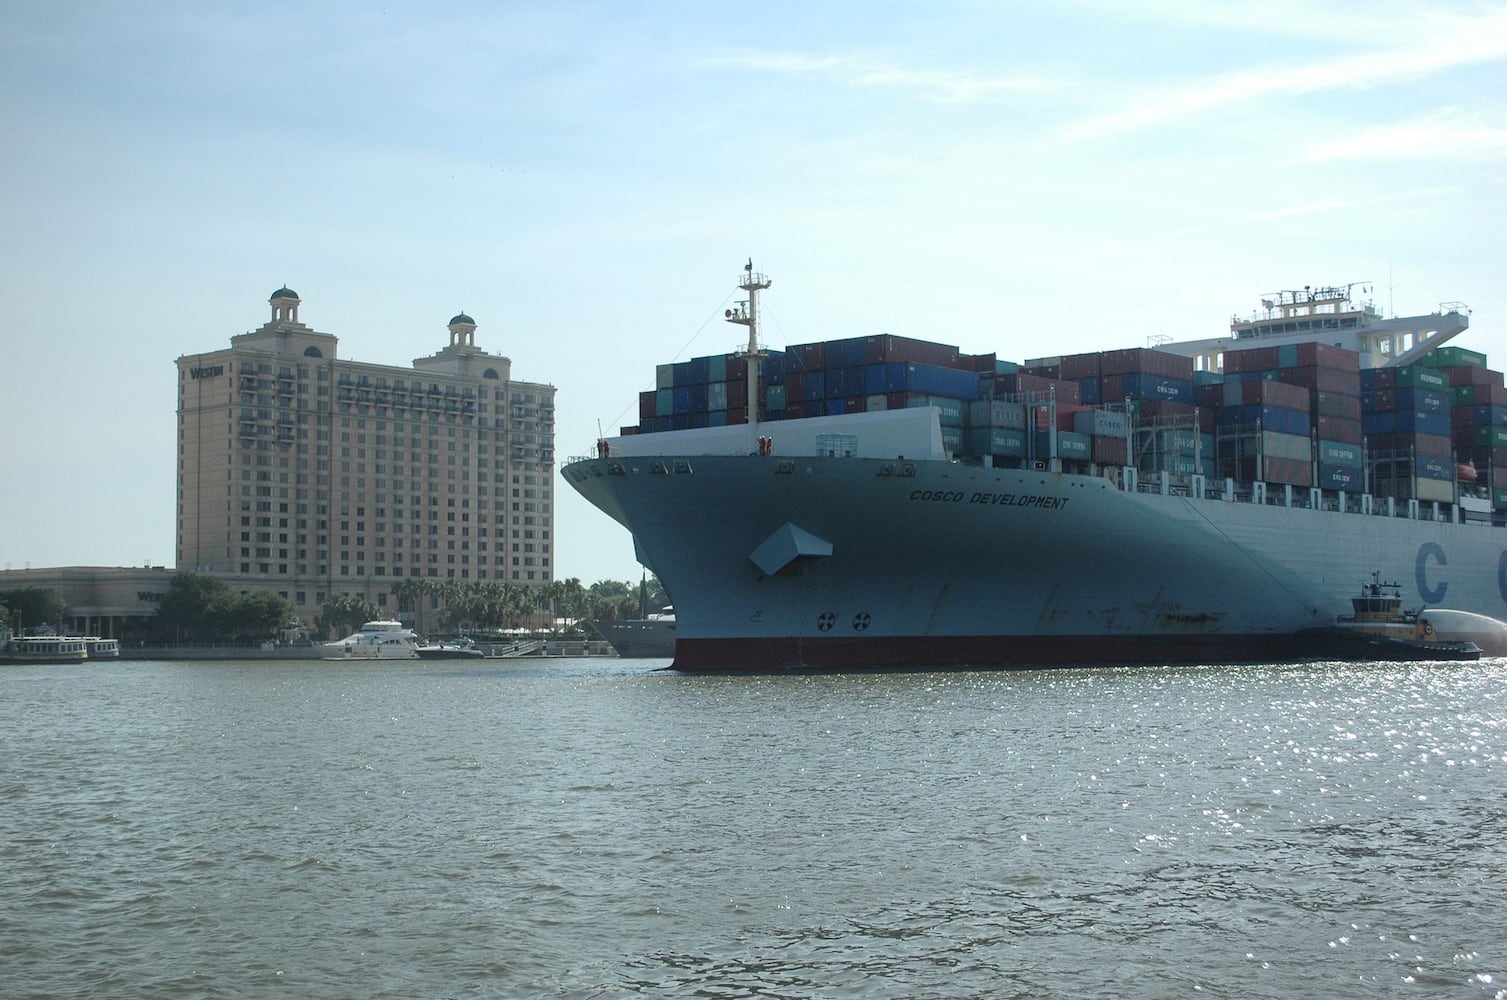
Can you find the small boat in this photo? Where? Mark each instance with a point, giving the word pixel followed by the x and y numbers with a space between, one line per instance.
pixel 377 640
pixel 451 649
pixel 49 648
pixel 1379 629
pixel 102 649
pixel 651 636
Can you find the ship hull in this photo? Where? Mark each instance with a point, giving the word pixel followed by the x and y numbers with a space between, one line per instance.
pixel 858 563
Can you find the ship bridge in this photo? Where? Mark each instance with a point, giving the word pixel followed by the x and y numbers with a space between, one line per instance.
pixel 1330 315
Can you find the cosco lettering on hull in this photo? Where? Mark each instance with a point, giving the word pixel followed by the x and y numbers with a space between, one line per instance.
pixel 990 499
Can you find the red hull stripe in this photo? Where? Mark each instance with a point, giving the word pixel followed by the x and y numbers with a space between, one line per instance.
pixel 977 652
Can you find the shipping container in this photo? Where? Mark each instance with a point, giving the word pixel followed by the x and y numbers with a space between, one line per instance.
pixel 1288 471
pixel 1322 379
pixel 1335 404
pixel 1141 361
pixel 1266 418
pixel 1490 416
pixel 996 413
pixel 997 441
pixel 1349 478
pixel 1076 367
pixel 1263 393
pixel 1316 355
pixel 1144 385
pixel 1038 386
pixel 1100 423
pixel 1441 446
pixel 1406 377
pixel 1405 422
pixel 1249 359
pixel 1478 395
pixel 949 409
pixel 1339 453
pixel 1416 399
pixel 887 347
pixel 1434 467
pixel 1338 429
pixel 1461 375
pixel 1490 437
pixel 1070 446
pixel 1108 450
pixel 1452 357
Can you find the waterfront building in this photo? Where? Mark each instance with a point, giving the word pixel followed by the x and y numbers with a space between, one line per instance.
pixel 309 475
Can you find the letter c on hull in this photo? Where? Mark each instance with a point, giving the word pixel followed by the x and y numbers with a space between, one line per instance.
pixel 1427 551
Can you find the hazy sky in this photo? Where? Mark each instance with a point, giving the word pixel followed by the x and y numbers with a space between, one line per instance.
pixel 588 179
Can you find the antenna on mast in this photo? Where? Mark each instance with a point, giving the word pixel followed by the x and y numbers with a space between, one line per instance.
pixel 746 313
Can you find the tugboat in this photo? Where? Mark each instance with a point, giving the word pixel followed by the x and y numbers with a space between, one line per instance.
pixel 1379 629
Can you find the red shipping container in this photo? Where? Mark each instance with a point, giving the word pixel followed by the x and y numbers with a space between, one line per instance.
pixel 1143 360
pixel 1316 355
pixel 1293 471
pixel 1323 379
pixel 1080 366
pixel 1470 375
pixel 1250 359
pixel 1280 394
pixel 1109 450
pixel 647 404
pixel 886 347
pixel 1341 429
pixel 1336 404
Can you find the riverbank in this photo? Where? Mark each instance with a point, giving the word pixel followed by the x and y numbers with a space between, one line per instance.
pixel 311 651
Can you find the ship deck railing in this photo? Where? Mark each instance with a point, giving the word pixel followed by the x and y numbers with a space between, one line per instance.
pixel 1311 498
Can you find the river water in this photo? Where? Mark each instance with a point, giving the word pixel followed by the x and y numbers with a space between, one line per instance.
pixel 598 828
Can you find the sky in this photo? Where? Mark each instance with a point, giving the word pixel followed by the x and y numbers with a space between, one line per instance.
pixel 587 180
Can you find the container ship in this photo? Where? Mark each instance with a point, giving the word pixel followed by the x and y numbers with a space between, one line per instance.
pixel 885 502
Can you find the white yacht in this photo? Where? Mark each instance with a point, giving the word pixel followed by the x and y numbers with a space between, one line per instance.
pixel 379 640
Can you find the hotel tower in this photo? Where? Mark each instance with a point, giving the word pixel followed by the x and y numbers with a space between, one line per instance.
pixel 308 475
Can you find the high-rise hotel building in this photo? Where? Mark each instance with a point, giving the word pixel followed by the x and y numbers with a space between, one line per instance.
pixel 308 475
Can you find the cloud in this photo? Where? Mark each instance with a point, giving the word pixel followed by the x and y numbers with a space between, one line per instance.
pixel 1337 204
pixel 859 70
pixel 1439 46
pixel 1449 135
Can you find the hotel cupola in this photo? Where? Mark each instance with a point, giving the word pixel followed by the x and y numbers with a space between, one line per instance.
pixel 462 331
pixel 284 304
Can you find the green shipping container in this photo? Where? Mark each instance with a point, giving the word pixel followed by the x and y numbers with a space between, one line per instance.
pixel 1419 377
pixel 1492 437
pixel 1339 453
pixel 997 441
pixel 1454 357
pixel 951 409
pixel 1072 446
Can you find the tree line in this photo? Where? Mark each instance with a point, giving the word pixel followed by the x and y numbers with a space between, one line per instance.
pixel 200 609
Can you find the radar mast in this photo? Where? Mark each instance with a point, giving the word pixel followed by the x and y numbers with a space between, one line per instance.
pixel 746 313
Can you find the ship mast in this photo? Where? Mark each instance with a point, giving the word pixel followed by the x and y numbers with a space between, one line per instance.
pixel 746 313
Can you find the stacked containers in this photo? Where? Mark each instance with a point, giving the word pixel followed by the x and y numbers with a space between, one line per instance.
pixel 1478 422
pixel 1332 377
pixel 1406 418
pixel 1264 429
